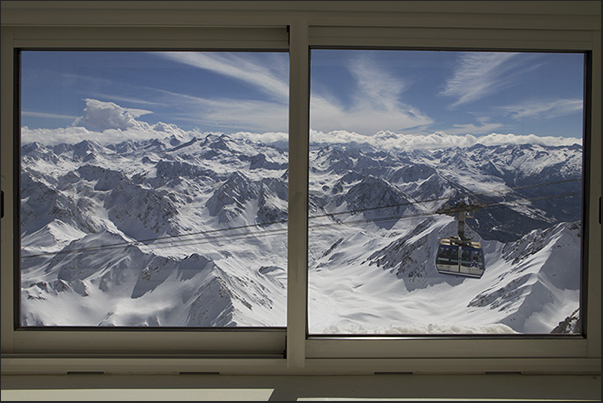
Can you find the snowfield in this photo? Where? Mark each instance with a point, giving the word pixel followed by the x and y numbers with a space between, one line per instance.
pixel 190 230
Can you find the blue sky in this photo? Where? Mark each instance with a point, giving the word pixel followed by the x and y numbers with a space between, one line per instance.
pixel 361 91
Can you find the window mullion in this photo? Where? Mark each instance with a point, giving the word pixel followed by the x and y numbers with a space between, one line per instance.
pixel 297 298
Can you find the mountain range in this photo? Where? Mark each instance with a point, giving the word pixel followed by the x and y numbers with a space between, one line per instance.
pixel 192 232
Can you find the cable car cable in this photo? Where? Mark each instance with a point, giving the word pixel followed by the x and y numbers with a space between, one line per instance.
pixel 172 239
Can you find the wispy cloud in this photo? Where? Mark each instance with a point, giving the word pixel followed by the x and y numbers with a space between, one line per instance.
pixel 119 98
pixel 240 68
pixel 545 109
pixel 241 114
pixel 268 112
pixel 47 115
pixel 375 103
pixel 479 75
pixel 228 113
pixel 376 87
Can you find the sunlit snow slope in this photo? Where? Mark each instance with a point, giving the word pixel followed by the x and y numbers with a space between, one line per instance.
pixel 374 270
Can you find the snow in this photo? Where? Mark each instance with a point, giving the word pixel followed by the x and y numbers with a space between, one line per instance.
pixel 189 230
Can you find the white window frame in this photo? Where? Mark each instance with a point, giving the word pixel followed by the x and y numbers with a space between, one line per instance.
pixel 530 26
pixel 265 343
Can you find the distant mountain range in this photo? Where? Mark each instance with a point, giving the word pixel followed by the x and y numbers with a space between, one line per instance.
pixel 192 232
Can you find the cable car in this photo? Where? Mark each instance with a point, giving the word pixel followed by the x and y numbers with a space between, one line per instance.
pixel 462 258
pixel 460 255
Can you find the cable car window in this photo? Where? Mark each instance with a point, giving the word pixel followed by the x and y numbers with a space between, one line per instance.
pixel 476 258
pixel 153 189
pixel 445 192
pixel 454 256
pixel 466 257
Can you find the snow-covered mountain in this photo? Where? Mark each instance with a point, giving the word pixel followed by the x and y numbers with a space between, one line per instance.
pixel 192 232
pixel 137 234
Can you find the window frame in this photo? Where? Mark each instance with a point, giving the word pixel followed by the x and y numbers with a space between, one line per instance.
pixel 535 346
pixel 234 342
pixel 213 25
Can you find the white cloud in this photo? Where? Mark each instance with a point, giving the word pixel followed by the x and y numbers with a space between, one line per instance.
pixel 391 140
pixel 499 139
pixel 101 116
pixel 482 74
pixel 267 138
pixel 104 122
pixel 545 109
pixel 115 124
pixel 386 140
pixel 473 129
pixel 107 122
pixel 69 135
pixel 73 135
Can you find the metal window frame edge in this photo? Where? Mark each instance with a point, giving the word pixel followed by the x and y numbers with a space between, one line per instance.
pixel 304 354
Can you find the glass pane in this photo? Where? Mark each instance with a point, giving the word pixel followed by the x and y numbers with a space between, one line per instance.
pixel 445 192
pixel 153 188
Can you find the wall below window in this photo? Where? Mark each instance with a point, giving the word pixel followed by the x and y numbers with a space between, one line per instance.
pixel 299 388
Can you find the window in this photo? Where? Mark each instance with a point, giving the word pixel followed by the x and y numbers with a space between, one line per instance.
pixel 153 189
pixel 461 157
pixel 305 33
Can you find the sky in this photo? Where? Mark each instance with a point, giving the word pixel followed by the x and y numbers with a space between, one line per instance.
pixel 355 92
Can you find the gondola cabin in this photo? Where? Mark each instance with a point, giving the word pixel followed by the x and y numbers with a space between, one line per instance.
pixel 462 259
